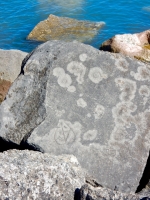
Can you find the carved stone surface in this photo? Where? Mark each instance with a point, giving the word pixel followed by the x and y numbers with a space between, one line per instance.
pixel 64 28
pixel 74 99
pixel 33 175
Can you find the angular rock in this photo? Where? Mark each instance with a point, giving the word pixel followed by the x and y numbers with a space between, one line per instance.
pixel 10 67
pixel 74 99
pixel 33 175
pixel 93 191
pixel 10 64
pixel 64 28
pixel 133 45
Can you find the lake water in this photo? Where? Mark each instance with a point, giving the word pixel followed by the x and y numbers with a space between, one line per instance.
pixel 18 18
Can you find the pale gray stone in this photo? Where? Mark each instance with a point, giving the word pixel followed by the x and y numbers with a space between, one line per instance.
pixel 33 175
pixel 74 99
pixel 93 191
pixel 10 64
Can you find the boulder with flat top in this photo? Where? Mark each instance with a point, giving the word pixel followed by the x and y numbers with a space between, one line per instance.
pixel 64 28
pixel 74 99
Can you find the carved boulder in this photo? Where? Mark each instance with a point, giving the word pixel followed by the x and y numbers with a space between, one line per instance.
pixel 74 99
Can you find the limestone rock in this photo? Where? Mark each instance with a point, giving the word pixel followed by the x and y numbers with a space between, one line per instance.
pixel 134 45
pixel 33 175
pixel 10 67
pixel 75 99
pixel 64 28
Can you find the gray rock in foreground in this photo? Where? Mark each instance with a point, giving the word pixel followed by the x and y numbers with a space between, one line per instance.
pixel 74 99
pixel 93 191
pixel 33 175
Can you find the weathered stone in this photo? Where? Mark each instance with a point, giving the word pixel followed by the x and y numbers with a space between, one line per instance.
pixel 33 175
pixel 93 191
pixel 64 28
pixel 10 64
pixel 134 45
pixel 74 99
pixel 10 67
pixel 4 87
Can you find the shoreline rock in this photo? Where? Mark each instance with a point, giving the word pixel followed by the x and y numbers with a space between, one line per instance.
pixel 64 28
pixel 134 45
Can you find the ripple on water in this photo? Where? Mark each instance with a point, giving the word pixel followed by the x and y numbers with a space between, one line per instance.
pixel 18 17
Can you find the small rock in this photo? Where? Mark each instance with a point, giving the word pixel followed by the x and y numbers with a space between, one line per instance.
pixel 10 67
pixel 93 191
pixel 133 45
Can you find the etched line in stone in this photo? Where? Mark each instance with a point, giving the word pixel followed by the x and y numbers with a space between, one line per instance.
pixel 64 134
pixel 64 80
pixel 143 73
pixel 96 75
pixel 78 69
pixel 127 88
pixel 90 135
pixel 122 64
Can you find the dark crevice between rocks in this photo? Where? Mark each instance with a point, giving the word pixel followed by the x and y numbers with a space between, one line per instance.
pixel 24 62
pixel 145 177
pixel 7 145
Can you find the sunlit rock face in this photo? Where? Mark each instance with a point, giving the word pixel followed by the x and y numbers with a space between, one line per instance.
pixel 10 67
pixel 133 45
pixel 33 175
pixel 63 28
pixel 74 99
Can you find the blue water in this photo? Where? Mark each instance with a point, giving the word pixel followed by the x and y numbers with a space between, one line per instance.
pixel 18 17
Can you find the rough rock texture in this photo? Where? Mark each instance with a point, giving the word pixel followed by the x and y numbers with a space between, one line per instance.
pixel 63 28
pixel 134 45
pixel 93 191
pixel 33 175
pixel 10 67
pixel 4 87
pixel 74 99
pixel 10 64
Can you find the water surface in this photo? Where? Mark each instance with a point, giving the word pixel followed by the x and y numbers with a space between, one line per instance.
pixel 18 18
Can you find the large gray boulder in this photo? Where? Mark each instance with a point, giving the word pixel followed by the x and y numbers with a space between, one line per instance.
pixel 33 175
pixel 74 99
